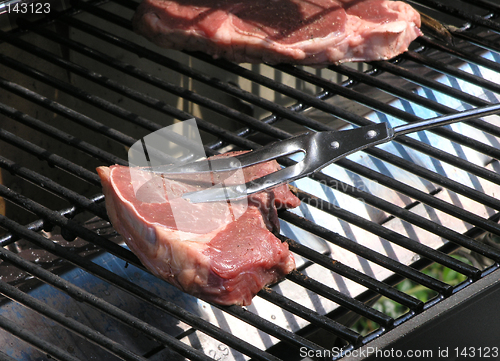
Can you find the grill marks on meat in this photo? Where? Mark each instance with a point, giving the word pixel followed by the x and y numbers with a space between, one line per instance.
pixel 311 32
pixel 223 258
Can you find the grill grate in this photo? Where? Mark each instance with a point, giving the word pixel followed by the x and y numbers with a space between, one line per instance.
pixel 78 88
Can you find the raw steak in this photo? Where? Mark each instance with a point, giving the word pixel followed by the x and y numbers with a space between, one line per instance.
pixel 309 32
pixel 228 254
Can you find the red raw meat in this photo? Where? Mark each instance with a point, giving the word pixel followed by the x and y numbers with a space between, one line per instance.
pixel 222 258
pixel 309 32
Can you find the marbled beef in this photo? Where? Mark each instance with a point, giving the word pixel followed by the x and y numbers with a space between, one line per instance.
pixel 310 32
pixel 228 254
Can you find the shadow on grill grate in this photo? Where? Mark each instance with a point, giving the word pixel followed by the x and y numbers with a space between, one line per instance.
pixel 80 89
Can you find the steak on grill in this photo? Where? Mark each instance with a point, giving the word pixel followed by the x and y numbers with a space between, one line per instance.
pixel 309 32
pixel 220 254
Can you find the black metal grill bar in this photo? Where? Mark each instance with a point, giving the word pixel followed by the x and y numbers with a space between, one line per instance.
pixel 484 4
pixel 55 106
pixel 435 177
pixel 116 135
pixel 452 71
pixel 70 226
pixel 406 215
pixel 96 337
pixel 475 19
pixel 61 109
pixel 41 224
pixel 318 287
pixel 427 82
pixel 85 296
pixel 422 147
pixel 383 107
pixel 29 337
pixel 487 44
pixel 53 186
pixel 315 318
pixel 121 89
pixel 403 213
pixel 414 193
pixel 94 100
pixel 338 89
pixel 270 328
pixel 164 61
pixel 82 95
pixel 321 320
pixel 391 236
pixel 52 131
pixel 71 140
pixel 52 159
pixel 472 57
pixel 90 236
pixel 98 78
pixel 411 96
pixel 143 76
pixel 363 251
pixel 33 178
pixel 388 109
pixel 342 269
pixel 336 300
pixel 68 194
pixel 431 198
pixel 304 101
pixel 388 157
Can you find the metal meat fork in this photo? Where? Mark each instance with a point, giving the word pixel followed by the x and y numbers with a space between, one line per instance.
pixel 319 148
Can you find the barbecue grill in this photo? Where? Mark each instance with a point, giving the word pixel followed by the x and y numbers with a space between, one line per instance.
pixel 78 88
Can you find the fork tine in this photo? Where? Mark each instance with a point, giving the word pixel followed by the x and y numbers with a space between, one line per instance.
pixel 266 153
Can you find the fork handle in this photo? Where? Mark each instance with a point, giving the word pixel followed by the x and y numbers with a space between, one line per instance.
pixel 446 119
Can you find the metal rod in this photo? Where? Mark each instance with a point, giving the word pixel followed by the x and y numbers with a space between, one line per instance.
pixel 58 108
pixel 404 214
pixel 361 251
pixel 55 187
pixel 345 301
pixel 424 81
pixel 68 322
pixel 133 94
pixel 429 199
pixel 313 317
pixel 20 332
pixel 52 131
pixel 51 158
pixel 446 119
